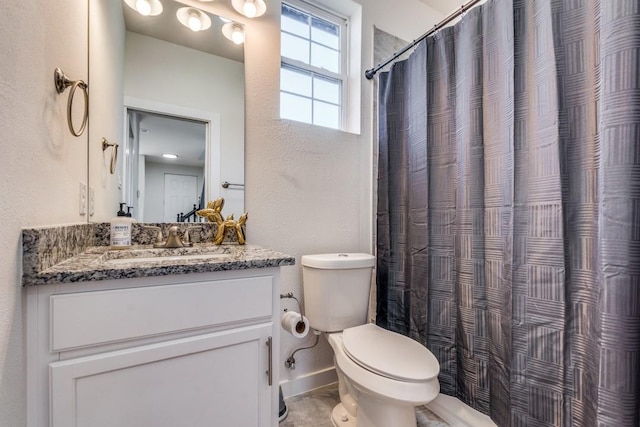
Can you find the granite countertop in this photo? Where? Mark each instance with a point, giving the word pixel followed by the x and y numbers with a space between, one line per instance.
pixel 103 263
pixel 66 255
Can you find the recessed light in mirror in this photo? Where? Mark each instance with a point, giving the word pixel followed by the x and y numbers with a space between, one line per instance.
pixel 194 19
pixel 145 7
pixel 170 156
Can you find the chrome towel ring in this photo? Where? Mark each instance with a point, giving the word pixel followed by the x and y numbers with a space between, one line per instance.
pixel 62 82
pixel 114 153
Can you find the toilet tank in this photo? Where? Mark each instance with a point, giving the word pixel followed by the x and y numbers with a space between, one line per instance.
pixel 336 289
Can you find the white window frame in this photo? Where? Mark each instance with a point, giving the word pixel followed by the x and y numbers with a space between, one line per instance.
pixel 343 23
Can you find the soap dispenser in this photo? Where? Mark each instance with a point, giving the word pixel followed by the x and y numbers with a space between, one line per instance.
pixel 121 230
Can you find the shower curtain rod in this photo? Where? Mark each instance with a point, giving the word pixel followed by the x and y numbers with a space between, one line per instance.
pixel 372 72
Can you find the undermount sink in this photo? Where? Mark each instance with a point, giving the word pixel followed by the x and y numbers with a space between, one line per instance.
pixel 161 255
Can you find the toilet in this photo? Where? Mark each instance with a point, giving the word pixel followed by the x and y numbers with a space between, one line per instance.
pixel 382 375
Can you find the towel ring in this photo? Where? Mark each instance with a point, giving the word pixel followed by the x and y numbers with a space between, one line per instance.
pixel 62 82
pixel 114 153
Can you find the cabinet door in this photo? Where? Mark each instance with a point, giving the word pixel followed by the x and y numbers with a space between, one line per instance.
pixel 217 379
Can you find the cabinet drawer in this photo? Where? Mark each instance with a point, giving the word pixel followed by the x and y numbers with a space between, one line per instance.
pixel 93 318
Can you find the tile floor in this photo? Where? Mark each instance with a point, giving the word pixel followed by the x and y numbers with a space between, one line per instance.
pixel 313 409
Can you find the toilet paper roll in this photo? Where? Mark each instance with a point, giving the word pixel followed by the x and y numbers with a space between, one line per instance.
pixel 295 323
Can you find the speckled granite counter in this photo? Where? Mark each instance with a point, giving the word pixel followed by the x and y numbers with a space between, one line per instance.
pixel 68 254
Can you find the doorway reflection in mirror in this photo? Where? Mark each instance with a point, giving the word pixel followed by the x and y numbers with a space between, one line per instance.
pixel 165 166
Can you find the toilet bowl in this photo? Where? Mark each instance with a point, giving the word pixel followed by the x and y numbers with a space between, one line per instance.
pixel 382 375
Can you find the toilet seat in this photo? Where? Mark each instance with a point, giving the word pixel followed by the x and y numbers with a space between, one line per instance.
pixel 389 354
pixel 369 382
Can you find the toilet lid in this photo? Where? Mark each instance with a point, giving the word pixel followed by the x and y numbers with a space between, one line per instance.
pixel 389 354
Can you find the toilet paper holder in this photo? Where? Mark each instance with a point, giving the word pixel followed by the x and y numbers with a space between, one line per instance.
pixel 290 363
pixel 289 295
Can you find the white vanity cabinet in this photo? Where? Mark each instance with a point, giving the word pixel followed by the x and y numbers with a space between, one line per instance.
pixel 186 350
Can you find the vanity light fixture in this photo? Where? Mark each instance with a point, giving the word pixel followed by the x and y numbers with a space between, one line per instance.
pixel 170 156
pixel 234 32
pixel 194 19
pixel 250 8
pixel 145 7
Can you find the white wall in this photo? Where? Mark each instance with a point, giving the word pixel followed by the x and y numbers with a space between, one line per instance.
pixel 41 163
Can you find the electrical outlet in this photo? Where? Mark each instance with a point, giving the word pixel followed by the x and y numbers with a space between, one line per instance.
pixel 92 201
pixel 83 198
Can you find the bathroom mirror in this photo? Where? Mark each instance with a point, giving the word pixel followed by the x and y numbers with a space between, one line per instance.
pixel 155 81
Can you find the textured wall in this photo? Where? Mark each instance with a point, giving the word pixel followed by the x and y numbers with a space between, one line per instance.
pixel 41 163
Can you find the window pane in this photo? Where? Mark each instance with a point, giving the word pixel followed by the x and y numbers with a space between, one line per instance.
pixel 326 115
pixel 295 48
pixel 296 82
pixel 325 33
pixel 295 107
pixel 311 93
pixel 326 90
pixel 295 21
pixel 326 58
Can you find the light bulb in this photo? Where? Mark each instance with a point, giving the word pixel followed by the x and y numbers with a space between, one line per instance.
pixel 194 22
pixel 194 19
pixel 143 7
pixel 249 9
pixel 237 35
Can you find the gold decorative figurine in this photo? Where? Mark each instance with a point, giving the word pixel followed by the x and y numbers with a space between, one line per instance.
pixel 213 213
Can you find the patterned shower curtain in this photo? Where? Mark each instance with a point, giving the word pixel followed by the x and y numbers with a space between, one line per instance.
pixel 509 209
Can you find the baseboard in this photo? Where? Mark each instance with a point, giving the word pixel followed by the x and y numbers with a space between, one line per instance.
pixel 458 414
pixel 309 382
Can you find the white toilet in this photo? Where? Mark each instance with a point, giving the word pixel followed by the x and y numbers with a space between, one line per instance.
pixel 382 375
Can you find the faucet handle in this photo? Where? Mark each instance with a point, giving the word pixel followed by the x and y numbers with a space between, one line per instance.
pixel 187 237
pixel 158 242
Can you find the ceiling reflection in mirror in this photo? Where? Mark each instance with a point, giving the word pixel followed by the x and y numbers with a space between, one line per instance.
pixel 167 27
pixel 173 81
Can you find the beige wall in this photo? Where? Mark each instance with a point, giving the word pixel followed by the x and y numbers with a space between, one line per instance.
pixel 308 189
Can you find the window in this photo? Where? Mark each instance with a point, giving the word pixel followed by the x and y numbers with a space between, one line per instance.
pixel 313 71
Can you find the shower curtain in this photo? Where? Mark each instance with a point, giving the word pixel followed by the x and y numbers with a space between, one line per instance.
pixel 508 228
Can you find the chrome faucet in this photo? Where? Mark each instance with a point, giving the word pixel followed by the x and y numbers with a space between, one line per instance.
pixel 173 239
